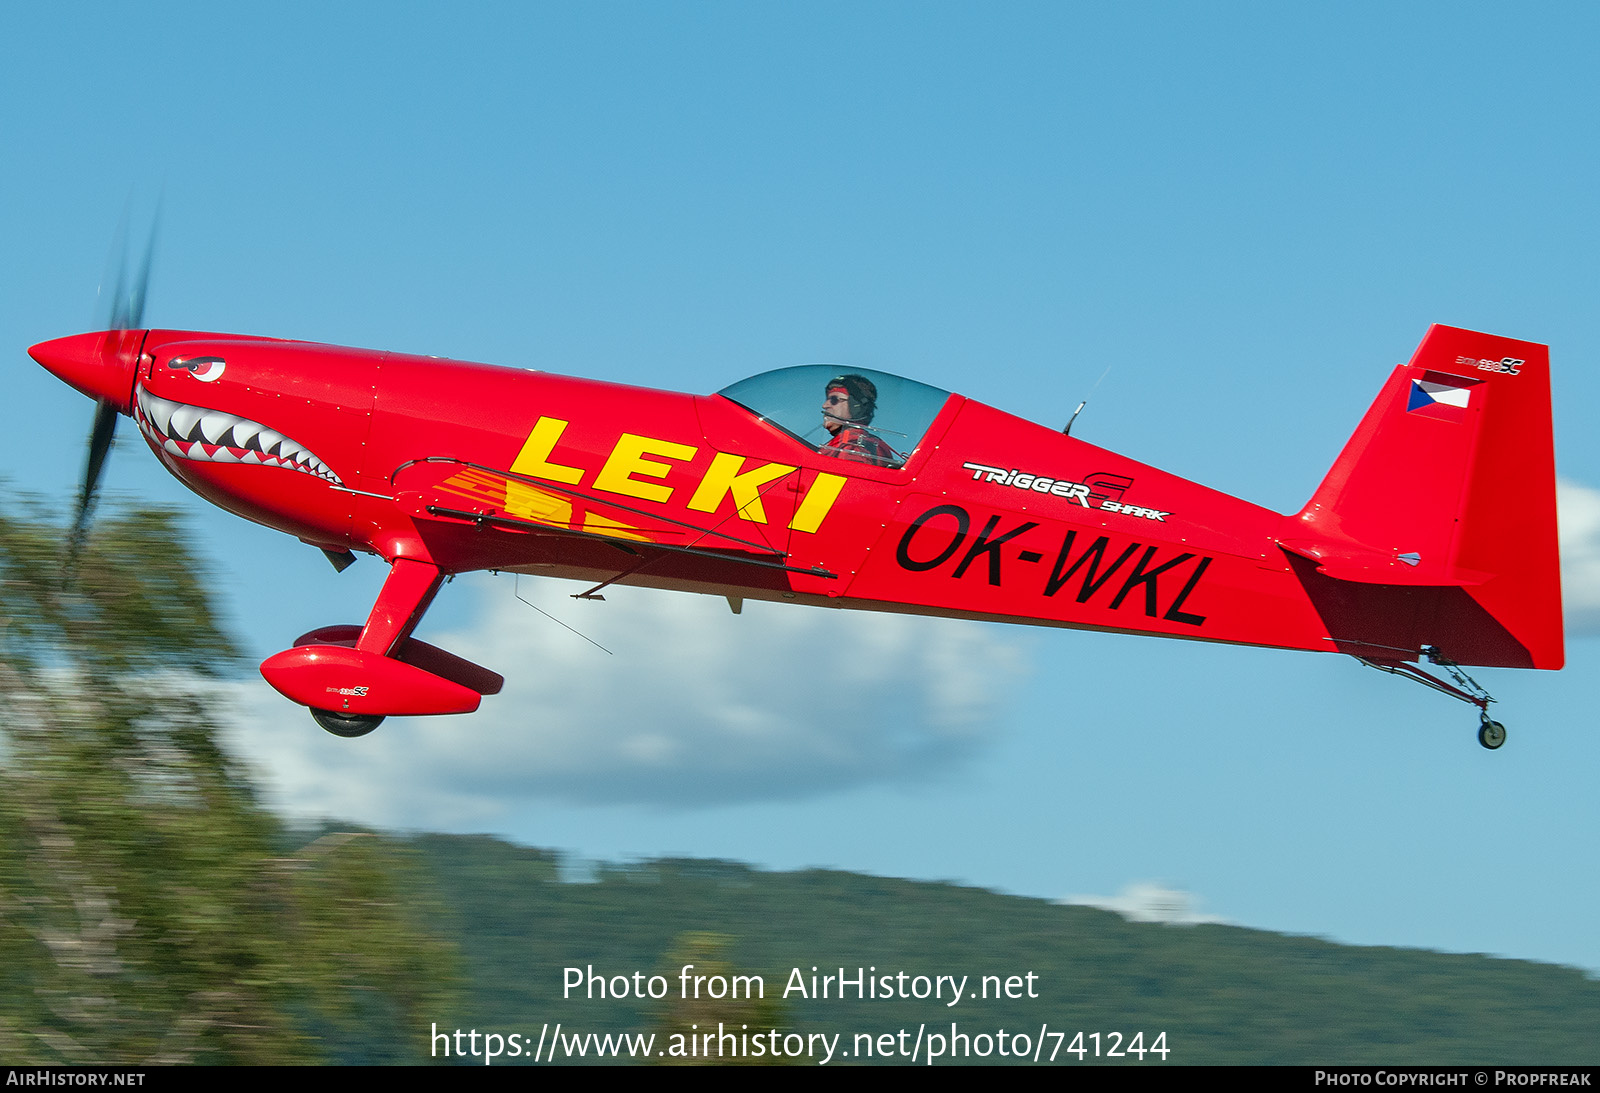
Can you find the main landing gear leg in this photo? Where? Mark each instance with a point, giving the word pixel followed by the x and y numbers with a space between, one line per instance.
pixel 1491 734
pixel 406 595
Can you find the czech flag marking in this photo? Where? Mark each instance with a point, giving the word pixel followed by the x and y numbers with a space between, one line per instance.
pixel 1441 397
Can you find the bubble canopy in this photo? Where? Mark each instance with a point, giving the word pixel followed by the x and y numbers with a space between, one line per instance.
pixel 792 399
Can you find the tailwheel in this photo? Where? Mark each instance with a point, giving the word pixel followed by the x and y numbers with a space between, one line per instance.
pixel 1491 734
pixel 351 725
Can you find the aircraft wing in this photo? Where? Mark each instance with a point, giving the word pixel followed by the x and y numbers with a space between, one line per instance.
pixel 455 490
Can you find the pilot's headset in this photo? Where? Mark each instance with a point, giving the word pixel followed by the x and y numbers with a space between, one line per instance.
pixel 863 395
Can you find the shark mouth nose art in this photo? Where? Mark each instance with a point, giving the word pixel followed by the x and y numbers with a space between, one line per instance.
pixel 211 436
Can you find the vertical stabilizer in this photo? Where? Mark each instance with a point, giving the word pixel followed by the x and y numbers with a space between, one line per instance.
pixel 1447 491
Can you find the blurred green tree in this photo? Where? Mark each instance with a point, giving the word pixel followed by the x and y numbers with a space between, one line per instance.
pixel 685 1021
pixel 151 910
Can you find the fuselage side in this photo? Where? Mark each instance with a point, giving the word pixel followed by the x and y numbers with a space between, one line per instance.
pixel 991 516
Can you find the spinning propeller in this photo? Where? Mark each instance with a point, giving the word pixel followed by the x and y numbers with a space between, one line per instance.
pixel 103 365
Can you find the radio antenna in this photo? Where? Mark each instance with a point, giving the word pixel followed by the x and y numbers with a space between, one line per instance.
pixel 1068 430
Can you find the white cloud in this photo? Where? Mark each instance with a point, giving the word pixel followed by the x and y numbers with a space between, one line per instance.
pixel 1578 513
pixel 697 706
pixel 1147 901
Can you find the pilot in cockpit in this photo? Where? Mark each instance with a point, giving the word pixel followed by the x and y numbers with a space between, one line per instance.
pixel 848 404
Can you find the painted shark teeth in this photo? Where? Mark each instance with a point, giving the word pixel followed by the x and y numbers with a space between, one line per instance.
pixel 211 436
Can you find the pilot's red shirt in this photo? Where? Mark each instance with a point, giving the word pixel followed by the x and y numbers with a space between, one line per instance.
pixel 856 444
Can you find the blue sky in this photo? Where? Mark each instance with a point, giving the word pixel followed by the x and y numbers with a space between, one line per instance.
pixel 1247 212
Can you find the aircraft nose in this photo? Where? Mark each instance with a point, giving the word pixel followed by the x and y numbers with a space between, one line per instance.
pixel 101 365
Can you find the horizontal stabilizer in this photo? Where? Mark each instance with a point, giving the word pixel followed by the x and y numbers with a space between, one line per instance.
pixel 1352 562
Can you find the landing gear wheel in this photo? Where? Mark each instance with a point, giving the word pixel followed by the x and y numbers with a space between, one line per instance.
pixel 1491 734
pixel 351 725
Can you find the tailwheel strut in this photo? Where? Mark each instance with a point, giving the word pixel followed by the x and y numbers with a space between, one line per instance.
pixel 1491 733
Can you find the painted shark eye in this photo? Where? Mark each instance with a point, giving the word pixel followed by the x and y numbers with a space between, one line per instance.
pixel 205 369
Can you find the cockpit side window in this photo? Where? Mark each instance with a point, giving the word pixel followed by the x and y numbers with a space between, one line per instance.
pixel 858 415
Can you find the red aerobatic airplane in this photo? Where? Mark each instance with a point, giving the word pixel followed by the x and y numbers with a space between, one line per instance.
pixel 1433 537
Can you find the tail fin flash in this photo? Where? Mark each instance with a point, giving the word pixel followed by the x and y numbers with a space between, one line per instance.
pixel 1446 495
